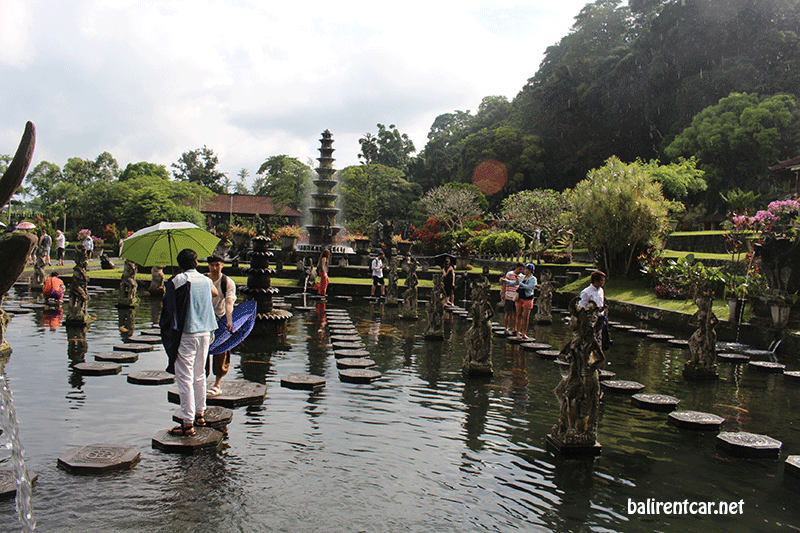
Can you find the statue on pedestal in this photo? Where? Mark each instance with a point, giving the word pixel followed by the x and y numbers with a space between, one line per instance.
pixel 410 294
pixel 156 281
pixel 391 286
pixel 78 295
pixel 128 286
pixel 544 314
pixel 478 338
pixel 37 281
pixel 703 342
pixel 434 310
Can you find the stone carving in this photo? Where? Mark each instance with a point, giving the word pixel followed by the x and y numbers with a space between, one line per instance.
pixel 545 301
pixel 578 393
pixel 434 310
pixel 156 281
pixel 410 294
pixel 37 281
pixel 391 286
pixel 478 338
pixel 703 342
pixel 78 295
pixel 106 263
pixel 128 286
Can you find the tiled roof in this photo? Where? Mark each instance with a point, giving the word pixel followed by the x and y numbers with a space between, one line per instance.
pixel 246 204
pixel 786 165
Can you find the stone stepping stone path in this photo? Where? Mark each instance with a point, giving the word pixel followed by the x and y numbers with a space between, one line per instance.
pixel 735 358
pixel 766 366
pixel 731 347
pixel 661 337
pixel 281 305
pixel 346 338
pixel 792 466
pixel 216 417
pixel 500 332
pixel 655 402
pixel 343 298
pixel 533 346
pixel 341 354
pixel 151 377
pixel 621 386
pixel 695 420
pixel 98 368
pixel 204 440
pixel 641 331
pixel 792 376
pixel 338 331
pixel 152 332
pixel 117 357
pixel 99 459
pixel 144 339
pixel 355 362
pixel 302 382
pixel 348 345
pixel 234 394
pixel 359 375
pixel 679 343
pixel 515 340
pixel 746 444
pixel 759 353
pixel 548 354
pixel 304 308
pixel 606 374
pixel 624 327
pixel 8 483
pixel 133 347
pixel 17 310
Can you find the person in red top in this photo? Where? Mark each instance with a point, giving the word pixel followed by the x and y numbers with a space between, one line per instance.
pixel 53 287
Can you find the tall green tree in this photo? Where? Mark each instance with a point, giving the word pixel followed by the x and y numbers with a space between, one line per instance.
pixel 285 178
pixel 143 168
pixel 545 212
pixel 200 166
pixel 389 148
pixel 375 192
pixel 453 203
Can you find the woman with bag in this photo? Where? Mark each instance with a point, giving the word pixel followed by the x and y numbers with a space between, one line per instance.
pixel 509 290
pixel 525 301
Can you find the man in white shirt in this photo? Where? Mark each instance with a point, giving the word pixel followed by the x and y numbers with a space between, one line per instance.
pixel 377 274
pixel 594 293
pixel 223 308
pixel 509 291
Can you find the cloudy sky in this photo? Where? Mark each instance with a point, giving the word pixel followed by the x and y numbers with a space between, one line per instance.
pixel 148 80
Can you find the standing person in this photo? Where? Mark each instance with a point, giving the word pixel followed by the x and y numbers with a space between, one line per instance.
pixel 525 301
pixel 223 309
pixel 44 244
pixel 594 293
pixel 449 281
pixel 510 283
pixel 187 321
pixel 88 245
pixel 322 271
pixel 377 274
pixel 61 245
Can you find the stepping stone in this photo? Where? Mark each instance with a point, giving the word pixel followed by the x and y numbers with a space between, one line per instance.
pixel 637 331
pixel 345 321
pixel 216 417
pixel 731 347
pixel 234 394
pixel 655 402
pixel 621 386
pixel 562 364
pixel 515 340
pixel 8 483
pixel 661 337
pixel 792 466
pixel 500 332
pixel 533 346
pixel 695 420
pixel 343 298
pixel 31 305
pixel 341 354
pixel 759 353
pixel 98 369
pixel 355 362
pixel 117 357
pixel 747 444
pixel 548 354
pixel 346 338
pixel 204 440
pixel 627 327
pixel 302 382
pixel 99 459
pixel 606 374
pixel 613 323
pixel 281 305
pixel 792 376
pixel 766 366
pixel 133 347
pixel 349 345
pixel 359 375
pixel 304 308
pixel 144 339
pixel 735 358
pixel 16 310
pixel 344 332
pixel 151 377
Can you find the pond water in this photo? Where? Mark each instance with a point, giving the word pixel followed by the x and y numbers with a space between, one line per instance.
pixel 422 449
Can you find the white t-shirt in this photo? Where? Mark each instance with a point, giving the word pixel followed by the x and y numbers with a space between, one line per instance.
pixel 512 281
pixel 223 301
pixel 377 268
pixel 592 294
pixel 61 240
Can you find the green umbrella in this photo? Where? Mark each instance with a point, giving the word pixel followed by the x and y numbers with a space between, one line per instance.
pixel 160 244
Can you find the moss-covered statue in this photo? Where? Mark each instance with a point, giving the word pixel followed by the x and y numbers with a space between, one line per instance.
pixel 391 286
pixel 434 310
pixel 410 294
pixel 544 304
pixel 78 293
pixel 703 342
pixel 478 361
pixel 128 286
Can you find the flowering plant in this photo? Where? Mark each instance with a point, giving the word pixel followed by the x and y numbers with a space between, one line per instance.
pixel 289 231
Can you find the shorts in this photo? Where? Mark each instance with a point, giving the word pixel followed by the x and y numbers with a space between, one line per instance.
pixel 222 362
pixel 525 304
pixel 377 280
pixel 60 254
pixel 509 306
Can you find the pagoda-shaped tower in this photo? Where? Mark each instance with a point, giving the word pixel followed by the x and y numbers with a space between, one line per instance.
pixel 323 228
pixel 269 321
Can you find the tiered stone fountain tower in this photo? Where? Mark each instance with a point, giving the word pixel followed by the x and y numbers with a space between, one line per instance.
pixel 269 321
pixel 323 229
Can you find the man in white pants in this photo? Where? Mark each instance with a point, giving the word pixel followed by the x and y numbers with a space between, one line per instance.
pixel 200 322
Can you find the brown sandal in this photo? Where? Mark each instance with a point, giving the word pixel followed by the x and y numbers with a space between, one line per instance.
pixel 199 421
pixel 182 431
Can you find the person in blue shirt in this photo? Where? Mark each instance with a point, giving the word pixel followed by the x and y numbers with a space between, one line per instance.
pixel 198 322
pixel 525 301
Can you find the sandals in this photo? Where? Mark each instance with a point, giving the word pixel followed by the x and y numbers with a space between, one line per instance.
pixel 182 431
pixel 199 421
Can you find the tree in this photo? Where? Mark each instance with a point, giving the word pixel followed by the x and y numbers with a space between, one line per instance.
pixel 143 168
pixel 678 180
pixel 200 166
pixel 620 211
pixel 286 179
pixel 375 192
pixel 547 212
pixel 241 185
pixel 452 203
pixel 389 148
pixel 82 172
pixel 54 196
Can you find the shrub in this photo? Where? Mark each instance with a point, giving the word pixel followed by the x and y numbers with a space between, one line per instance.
pixel 488 244
pixel 509 243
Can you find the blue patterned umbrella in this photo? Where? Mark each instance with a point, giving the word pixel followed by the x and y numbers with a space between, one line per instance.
pixel 244 318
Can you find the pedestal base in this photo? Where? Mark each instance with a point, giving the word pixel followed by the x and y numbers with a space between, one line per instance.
pixel 700 373
pixel 557 447
pixel 477 369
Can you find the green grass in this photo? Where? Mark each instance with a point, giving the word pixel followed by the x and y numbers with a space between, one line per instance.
pixel 677 254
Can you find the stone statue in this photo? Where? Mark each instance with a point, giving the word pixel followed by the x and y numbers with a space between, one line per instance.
pixel 128 286
pixel 578 393
pixel 106 263
pixel 78 295
pixel 156 281
pixel 410 294
pixel 478 338
pixel 545 301
pixel 391 286
pixel 435 309
pixel 37 281
pixel 703 342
